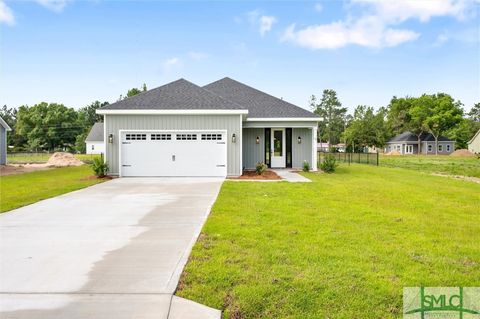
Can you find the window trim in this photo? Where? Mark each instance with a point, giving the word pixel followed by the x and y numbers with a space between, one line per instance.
pixel 440 147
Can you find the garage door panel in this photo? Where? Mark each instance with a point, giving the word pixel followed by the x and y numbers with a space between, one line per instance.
pixel 174 154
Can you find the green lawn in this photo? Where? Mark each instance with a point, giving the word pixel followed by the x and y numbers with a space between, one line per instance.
pixel 465 166
pixel 23 189
pixel 22 158
pixel 343 246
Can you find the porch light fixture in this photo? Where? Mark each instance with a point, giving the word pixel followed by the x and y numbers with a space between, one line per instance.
pixel 257 140
pixel 234 138
pixel 110 138
pixel 299 140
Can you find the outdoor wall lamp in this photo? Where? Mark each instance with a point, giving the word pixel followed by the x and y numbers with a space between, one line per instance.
pixel 299 140
pixel 234 138
pixel 257 140
pixel 110 138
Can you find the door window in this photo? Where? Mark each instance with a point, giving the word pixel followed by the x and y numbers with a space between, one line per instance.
pixel 277 143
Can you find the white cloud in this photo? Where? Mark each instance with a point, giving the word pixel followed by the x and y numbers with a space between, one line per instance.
pixel 263 22
pixel 441 39
pixel 318 7
pixel 266 23
pixel 195 55
pixel 54 5
pixel 377 26
pixel 171 64
pixel 6 14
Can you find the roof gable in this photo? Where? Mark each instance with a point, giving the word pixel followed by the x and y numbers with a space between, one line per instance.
pixel 4 125
pixel 258 103
pixel 96 133
pixel 177 95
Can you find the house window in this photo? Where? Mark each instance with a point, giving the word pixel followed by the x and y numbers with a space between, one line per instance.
pixel 93 147
pixel 161 137
pixel 448 147
pixel 211 137
pixel 398 148
pixel 440 147
pixel 186 137
pixel 136 137
pixel 429 147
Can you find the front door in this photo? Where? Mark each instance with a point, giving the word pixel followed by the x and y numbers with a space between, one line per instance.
pixel 408 149
pixel 278 147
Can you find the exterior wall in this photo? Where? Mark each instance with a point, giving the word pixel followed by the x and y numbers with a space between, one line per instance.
pixel 394 146
pixel 444 148
pixel 474 146
pixel 253 152
pixel 3 145
pixel 231 123
pixel 98 147
pixel 302 152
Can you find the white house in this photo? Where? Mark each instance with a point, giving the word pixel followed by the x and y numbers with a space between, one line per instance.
pixel 95 140
pixel 474 143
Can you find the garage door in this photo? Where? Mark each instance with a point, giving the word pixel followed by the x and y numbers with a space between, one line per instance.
pixel 166 153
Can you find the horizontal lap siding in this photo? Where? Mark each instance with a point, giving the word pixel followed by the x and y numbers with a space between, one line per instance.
pixel 303 151
pixel 253 152
pixel 3 146
pixel 231 123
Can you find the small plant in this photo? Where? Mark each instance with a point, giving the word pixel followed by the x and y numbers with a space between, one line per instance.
pixel 260 168
pixel 100 168
pixel 329 164
pixel 306 166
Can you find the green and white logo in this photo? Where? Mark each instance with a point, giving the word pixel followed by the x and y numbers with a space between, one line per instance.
pixel 441 302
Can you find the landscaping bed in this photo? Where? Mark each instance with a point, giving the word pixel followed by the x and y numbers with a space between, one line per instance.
pixel 252 175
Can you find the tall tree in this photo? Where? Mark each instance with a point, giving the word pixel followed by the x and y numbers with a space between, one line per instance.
pixel 9 115
pixel 87 115
pixel 332 122
pixel 445 113
pixel 48 126
pixel 367 128
pixel 398 115
pixel 474 113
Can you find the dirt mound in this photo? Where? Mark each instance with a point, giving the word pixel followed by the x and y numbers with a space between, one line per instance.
pixel 63 159
pixel 462 153
pixel 393 153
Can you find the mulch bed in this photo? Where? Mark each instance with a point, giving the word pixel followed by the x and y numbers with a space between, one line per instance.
pixel 89 178
pixel 252 175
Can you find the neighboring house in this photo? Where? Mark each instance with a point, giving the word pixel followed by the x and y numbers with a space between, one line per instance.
pixel 326 147
pixel 95 140
pixel 181 129
pixel 474 143
pixel 4 128
pixel 407 143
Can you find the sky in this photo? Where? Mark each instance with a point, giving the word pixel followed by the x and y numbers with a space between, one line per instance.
pixel 75 52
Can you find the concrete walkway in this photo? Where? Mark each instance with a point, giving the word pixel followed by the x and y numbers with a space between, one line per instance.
pixel 291 176
pixel 113 250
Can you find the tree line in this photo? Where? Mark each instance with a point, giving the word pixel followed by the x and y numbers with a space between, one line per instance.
pixel 438 114
pixel 53 126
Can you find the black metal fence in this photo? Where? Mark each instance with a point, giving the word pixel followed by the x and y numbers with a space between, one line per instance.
pixel 361 158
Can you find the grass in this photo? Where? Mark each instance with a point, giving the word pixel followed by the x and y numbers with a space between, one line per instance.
pixel 464 166
pixel 22 158
pixel 23 189
pixel 343 246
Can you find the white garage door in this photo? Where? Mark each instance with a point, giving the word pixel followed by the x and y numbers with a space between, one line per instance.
pixel 166 153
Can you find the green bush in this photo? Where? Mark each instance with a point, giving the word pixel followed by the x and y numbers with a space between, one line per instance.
pixel 329 164
pixel 100 168
pixel 260 168
pixel 306 166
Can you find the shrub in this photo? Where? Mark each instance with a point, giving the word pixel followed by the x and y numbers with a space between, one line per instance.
pixel 329 164
pixel 100 168
pixel 306 166
pixel 260 168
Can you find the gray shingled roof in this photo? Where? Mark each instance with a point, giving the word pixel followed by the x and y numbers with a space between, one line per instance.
pixel 177 95
pixel 258 103
pixel 410 137
pixel 96 133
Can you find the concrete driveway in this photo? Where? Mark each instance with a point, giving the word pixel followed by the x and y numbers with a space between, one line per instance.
pixel 113 250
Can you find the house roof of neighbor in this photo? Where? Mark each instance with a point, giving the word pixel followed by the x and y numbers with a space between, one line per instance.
pixel 258 103
pixel 410 137
pixel 177 95
pixel 96 133
pixel 4 125
pixel 474 137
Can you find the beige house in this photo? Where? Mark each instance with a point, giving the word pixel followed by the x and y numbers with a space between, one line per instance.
pixel 474 143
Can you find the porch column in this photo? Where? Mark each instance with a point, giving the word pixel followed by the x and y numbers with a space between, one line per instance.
pixel 314 148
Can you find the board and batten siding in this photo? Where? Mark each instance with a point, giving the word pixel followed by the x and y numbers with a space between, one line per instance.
pixel 3 145
pixel 254 153
pixel 230 123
